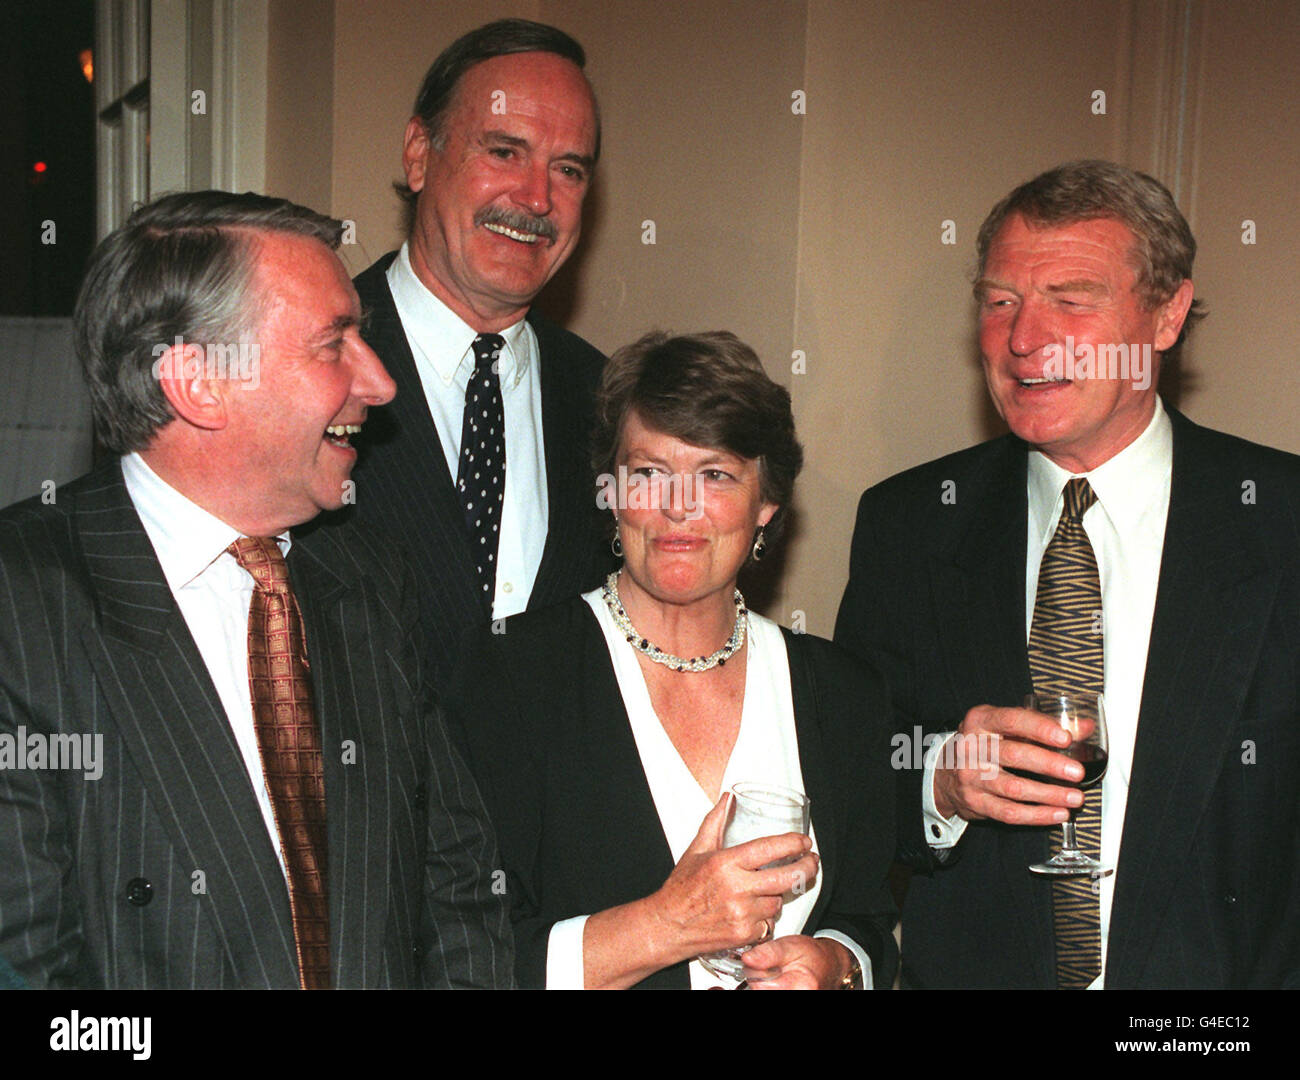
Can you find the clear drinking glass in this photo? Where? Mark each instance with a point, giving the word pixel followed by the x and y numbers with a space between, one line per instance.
pixel 758 810
pixel 1084 717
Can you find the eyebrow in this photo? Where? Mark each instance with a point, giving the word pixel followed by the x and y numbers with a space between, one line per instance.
pixel 1079 285
pixel 585 160
pixel 338 325
pixel 985 285
pixel 1076 285
pixel 710 456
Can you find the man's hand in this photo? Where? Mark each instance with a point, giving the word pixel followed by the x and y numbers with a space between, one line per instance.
pixel 991 740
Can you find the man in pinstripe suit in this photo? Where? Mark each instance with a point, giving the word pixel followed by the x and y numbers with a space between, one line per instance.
pixel 124 617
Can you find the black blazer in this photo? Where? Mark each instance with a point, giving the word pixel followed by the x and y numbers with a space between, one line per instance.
pixel 544 727
pixel 405 490
pixel 1207 889
pixel 160 872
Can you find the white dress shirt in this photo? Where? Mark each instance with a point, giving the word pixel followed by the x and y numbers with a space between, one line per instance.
pixel 766 751
pixel 214 594
pixel 442 345
pixel 1126 527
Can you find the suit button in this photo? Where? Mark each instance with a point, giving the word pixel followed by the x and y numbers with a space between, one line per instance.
pixel 419 799
pixel 1230 898
pixel 139 891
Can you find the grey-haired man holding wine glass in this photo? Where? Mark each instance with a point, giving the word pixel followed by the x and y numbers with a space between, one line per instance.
pixel 1107 543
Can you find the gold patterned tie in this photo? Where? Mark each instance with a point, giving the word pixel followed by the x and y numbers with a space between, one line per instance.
pixel 1065 656
pixel 288 740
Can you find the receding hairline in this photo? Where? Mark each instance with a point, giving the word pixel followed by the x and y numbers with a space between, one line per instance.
pixel 436 138
pixel 262 290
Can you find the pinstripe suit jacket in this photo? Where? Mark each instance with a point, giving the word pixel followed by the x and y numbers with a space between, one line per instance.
pixel 405 490
pixel 160 873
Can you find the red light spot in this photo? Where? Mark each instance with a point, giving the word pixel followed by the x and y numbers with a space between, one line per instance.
pixel 39 167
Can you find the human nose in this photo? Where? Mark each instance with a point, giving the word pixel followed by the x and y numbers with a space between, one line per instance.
pixel 370 379
pixel 534 190
pixel 1029 329
pixel 672 501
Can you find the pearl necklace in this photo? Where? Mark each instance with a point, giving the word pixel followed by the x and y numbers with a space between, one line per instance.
pixel 609 592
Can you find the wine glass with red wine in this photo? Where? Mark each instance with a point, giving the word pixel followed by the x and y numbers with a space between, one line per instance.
pixel 1084 717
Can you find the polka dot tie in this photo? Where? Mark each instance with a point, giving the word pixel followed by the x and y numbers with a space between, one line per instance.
pixel 1065 656
pixel 481 479
pixel 288 740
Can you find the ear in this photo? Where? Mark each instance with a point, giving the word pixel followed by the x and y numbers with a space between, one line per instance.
pixel 767 512
pixel 1171 315
pixel 415 153
pixel 196 399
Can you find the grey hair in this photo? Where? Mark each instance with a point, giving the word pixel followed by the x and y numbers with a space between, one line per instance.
pixel 181 266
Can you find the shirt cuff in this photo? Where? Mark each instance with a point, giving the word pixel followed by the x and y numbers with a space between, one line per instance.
pixel 564 969
pixel 859 954
pixel 940 832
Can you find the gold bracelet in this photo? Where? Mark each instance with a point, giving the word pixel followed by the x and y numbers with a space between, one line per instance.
pixel 853 980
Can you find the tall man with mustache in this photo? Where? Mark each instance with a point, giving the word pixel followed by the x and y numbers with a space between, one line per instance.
pixel 490 496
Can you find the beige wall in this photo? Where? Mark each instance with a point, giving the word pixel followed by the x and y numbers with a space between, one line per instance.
pixel 822 232
pixel 300 101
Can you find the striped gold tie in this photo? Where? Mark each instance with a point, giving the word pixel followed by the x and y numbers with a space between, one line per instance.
pixel 1065 656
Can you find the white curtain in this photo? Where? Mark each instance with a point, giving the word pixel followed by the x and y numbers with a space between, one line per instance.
pixel 45 425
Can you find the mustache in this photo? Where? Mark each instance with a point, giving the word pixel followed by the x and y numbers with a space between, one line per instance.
pixel 514 219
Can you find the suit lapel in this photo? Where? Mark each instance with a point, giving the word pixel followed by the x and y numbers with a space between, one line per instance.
pixel 569 496
pixel 610 769
pixel 1212 610
pixel 805 695
pixel 978 597
pixel 407 421
pixel 351 706
pixel 176 733
pixel 978 590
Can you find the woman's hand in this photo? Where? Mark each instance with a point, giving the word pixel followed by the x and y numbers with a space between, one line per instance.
pixel 716 898
pixel 719 898
pixel 797 962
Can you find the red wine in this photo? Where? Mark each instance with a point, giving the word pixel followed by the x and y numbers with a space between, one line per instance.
pixel 1092 758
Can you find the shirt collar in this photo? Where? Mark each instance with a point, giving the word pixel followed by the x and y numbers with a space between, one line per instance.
pixel 440 339
pixel 1127 486
pixel 185 537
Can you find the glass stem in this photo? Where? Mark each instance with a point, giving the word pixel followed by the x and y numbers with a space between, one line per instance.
pixel 1067 837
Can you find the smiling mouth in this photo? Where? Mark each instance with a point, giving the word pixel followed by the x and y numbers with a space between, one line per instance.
pixel 341 434
pixel 513 234
pixel 1041 382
